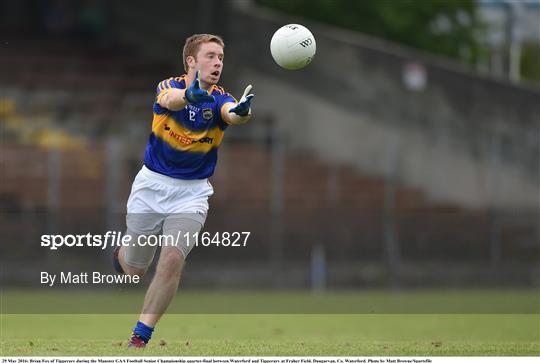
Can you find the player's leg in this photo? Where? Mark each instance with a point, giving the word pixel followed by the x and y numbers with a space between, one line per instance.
pixel 134 259
pixel 159 295
pixel 142 220
pixel 186 205
pixel 163 286
pixel 171 261
pixel 168 271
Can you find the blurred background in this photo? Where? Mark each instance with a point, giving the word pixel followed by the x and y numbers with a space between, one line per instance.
pixel 405 155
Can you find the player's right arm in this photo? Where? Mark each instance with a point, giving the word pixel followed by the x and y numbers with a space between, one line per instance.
pixel 175 99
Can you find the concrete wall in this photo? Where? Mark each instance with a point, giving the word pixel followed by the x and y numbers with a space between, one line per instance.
pixel 441 167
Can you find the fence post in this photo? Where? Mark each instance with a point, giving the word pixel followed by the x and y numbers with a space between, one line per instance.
pixel 495 249
pixel 391 242
pixel 277 203
pixel 318 268
pixel 54 170
pixel 113 163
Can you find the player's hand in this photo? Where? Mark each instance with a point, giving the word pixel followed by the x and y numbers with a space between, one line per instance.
pixel 195 94
pixel 243 107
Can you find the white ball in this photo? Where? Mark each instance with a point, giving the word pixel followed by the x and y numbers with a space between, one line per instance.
pixel 293 46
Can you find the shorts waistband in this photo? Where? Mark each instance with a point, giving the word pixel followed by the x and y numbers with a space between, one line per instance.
pixel 170 180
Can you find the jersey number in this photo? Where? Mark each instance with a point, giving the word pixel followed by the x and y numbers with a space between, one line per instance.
pixel 192 115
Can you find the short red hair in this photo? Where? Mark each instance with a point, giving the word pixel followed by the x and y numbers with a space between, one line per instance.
pixel 193 44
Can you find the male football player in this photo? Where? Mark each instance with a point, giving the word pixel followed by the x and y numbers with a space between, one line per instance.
pixel 170 193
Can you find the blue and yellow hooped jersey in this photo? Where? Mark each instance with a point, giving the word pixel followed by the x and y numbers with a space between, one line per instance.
pixel 184 144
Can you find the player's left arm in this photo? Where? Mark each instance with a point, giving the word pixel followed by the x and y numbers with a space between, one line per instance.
pixel 238 113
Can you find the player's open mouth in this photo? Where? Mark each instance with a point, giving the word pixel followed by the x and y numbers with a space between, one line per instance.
pixel 215 74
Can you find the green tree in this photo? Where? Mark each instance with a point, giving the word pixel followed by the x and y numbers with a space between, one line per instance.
pixel 530 62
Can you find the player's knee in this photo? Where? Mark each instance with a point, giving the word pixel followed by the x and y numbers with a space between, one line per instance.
pixel 171 261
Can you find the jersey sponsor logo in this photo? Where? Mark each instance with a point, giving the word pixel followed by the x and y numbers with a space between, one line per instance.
pixel 207 113
pixel 183 139
pixel 187 140
pixel 205 140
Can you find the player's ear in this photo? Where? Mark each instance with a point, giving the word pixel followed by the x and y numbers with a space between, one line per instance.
pixel 190 60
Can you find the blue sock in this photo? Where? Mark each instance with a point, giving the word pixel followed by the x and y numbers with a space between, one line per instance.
pixel 144 331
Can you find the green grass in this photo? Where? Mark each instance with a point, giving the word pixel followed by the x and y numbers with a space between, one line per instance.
pixel 368 334
pixel 62 301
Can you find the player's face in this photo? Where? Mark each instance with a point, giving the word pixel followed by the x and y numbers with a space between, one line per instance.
pixel 209 62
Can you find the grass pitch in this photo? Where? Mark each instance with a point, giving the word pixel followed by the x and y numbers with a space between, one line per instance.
pixel 370 334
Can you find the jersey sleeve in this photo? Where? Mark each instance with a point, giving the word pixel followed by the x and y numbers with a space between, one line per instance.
pixel 162 88
pixel 222 100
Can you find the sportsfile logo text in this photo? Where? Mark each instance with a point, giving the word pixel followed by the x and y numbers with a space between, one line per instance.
pixel 117 239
